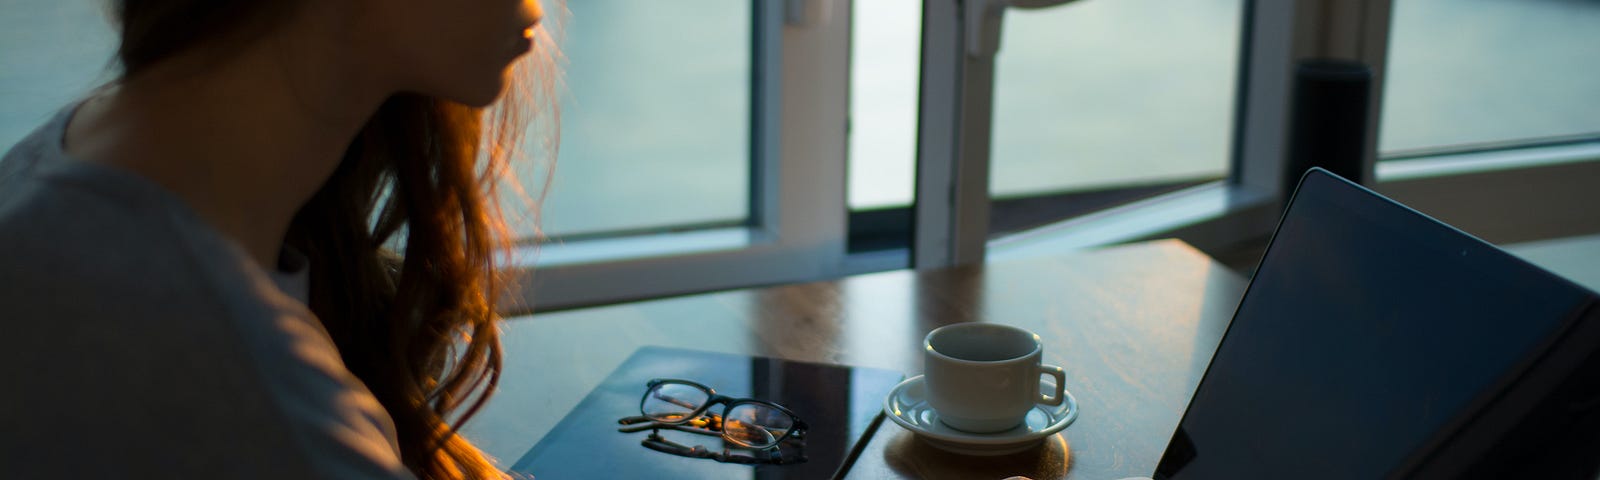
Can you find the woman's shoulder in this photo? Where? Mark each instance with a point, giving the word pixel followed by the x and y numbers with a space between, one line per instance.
pixel 139 351
pixel 139 357
pixel 143 335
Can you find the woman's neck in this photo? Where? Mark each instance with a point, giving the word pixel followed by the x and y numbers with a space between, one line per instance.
pixel 245 140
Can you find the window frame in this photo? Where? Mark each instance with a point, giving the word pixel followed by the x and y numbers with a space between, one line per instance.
pixel 796 230
pixel 1502 194
pixel 963 36
pixel 800 221
pixel 1243 207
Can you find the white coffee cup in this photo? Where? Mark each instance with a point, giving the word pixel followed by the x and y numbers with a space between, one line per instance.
pixel 984 377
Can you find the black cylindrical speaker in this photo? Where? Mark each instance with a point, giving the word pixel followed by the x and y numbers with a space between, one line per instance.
pixel 1328 123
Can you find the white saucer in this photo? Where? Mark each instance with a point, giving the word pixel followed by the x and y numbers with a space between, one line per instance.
pixel 907 405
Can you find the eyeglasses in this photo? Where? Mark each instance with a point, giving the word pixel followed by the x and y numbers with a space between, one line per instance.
pixel 681 405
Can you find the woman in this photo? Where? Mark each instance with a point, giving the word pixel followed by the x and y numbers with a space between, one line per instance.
pixel 194 271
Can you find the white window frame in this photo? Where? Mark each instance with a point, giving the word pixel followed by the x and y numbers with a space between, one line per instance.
pixel 798 221
pixel 1215 214
pixel 1509 195
pixel 1504 196
pixel 800 217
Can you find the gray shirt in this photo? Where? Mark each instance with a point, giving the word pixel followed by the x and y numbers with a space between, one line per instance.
pixel 140 342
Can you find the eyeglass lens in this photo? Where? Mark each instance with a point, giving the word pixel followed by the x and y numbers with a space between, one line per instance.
pixel 756 425
pixel 672 402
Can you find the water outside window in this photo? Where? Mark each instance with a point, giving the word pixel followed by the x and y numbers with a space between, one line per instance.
pixel 1465 72
pixel 1099 94
pixel 656 131
pixel 885 63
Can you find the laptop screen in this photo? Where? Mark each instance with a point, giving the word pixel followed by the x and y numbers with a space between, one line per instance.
pixel 1367 328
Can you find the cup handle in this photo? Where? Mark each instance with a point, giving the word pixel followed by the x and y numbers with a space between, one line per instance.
pixel 1061 385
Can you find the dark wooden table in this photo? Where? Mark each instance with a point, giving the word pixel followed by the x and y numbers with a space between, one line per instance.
pixel 1134 327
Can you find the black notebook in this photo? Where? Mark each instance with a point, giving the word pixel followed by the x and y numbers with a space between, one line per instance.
pixel 842 406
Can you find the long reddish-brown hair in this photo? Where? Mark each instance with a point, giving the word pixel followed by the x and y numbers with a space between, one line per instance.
pixel 418 328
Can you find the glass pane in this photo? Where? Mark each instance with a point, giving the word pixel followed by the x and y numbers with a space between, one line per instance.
pixel 1490 71
pixel 51 53
pixel 885 46
pixel 1106 94
pixel 656 131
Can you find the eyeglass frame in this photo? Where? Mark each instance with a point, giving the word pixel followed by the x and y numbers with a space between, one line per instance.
pixel 796 429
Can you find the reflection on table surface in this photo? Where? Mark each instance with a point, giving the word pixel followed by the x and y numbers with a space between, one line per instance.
pixel 1134 326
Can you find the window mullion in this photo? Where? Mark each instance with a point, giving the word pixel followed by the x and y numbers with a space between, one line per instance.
pixel 955 106
pixel 1262 114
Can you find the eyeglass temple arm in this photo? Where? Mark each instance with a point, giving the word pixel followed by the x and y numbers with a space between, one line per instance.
pixel 767 456
pixel 709 421
pixel 658 426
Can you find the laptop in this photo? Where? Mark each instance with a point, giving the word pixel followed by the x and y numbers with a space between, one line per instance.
pixel 1376 342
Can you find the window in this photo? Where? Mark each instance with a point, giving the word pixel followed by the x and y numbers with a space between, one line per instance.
pixel 1101 103
pixel 706 148
pixel 1494 130
pixel 1483 123
pixel 788 167
pixel 1510 73
pixel 1097 95
pixel 656 131
pixel 885 64
pixel 1095 104
pixel 695 153
pixel 885 38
